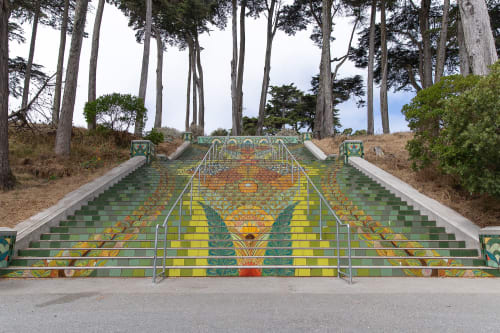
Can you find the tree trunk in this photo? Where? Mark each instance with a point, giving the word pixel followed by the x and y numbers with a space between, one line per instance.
pixel 384 107
pixel 159 79
pixel 327 69
pixel 441 51
pixel 195 83
pixel 234 68
pixel 426 42
pixel 139 123
pixel 241 66
pixel 188 93
pixel 478 35
pixel 462 50
pixel 60 63
pixel 29 65
pixel 267 66
pixel 7 180
pixel 94 53
pixel 201 91
pixel 320 104
pixel 63 136
pixel 370 125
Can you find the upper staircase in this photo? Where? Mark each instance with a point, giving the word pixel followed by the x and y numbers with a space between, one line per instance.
pixel 247 215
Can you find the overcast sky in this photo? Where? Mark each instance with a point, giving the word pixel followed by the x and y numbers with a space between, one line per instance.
pixel 294 59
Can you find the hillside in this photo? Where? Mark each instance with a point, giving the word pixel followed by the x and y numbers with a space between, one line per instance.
pixel 43 179
pixel 482 210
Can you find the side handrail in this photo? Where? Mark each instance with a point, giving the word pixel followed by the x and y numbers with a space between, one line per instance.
pixel 206 162
pixel 284 154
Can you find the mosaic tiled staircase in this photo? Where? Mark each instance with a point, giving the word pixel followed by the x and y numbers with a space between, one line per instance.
pixel 248 219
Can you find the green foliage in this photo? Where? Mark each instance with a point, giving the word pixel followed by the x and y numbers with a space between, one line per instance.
pixel 425 116
pixel 220 132
pixel 468 145
pixel 196 130
pixel 249 125
pixel 170 132
pixel 457 130
pixel 359 133
pixel 347 131
pixel 155 136
pixel 92 164
pixel 115 111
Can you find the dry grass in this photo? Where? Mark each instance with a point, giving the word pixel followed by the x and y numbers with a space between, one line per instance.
pixel 482 210
pixel 43 179
pixel 168 148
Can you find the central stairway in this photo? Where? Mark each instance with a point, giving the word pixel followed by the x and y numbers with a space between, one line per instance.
pixel 247 216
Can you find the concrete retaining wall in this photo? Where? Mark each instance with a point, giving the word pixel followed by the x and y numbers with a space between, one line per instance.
pixel 318 153
pixel 178 152
pixel 31 229
pixel 453 222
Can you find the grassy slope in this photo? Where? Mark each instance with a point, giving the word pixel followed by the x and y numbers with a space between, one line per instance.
pixel 43 179
pixel 482 210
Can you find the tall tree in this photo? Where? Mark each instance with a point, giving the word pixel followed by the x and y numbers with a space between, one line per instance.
pixel 384 105
pixel 478 35
pixel 326 80
pixel 63 135
pixel 27 77
pixel 139 123
pixel 94 53
pixel 371 55
pixel 234 70
pixel 188 93
pixel 7 180
pixel 441 51
pixel 159 76
pixel 201 88
pixel 241 64
pixel 424 17
pixel 60 63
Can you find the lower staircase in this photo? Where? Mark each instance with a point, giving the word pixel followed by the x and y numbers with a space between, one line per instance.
pixel 247 215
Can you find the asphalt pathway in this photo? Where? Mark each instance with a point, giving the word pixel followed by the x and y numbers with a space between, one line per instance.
pixel 250 305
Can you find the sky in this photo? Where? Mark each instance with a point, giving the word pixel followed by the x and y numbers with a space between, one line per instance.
pixel 295 59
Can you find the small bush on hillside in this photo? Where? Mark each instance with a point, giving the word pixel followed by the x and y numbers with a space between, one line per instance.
pixel 347 131
pixel 170 132
pixel 220 132
pixel 425 116
pixel 155 136
pixel 115 111
pixel 196 130
pixel 359 133
pixel 287 132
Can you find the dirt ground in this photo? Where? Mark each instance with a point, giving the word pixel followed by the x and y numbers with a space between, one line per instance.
pixel 482 210
pixel 43 179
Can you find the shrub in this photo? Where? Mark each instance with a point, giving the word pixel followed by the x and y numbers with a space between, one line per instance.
pixel 359 133
pixel 115 111
pixel 196 130
pixel 287 132
pixel 425 116
pixel 170 132
pixel 347 131
pixel 155 136
pixel 220 132
pixel 468 145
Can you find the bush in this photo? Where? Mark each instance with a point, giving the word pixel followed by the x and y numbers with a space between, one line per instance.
pixel 155 136
pixel 468 145
pixel 115 111
pixel 425 116
pixel 287 132
pixel 170 132
pixel 457 130
pixel 220 132
pixel 347 131
pixel 196 130
pixel 359 133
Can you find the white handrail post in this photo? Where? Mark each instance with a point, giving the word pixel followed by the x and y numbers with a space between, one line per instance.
pixel 320 221
pixel 338 250
pixel 349 247
pixel 180 217
pixel 165 250
pixel 307 181
pixel 191 200
pixel 156 253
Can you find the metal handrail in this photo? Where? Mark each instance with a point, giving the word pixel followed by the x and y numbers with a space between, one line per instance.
pixel 206 162
pixel 284 153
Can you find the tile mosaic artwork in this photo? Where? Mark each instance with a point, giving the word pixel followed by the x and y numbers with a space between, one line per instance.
pixel 7 242
pixel 142 148
pixel 249 212
pixel 491 249
pixel 249 140
pixel 349 148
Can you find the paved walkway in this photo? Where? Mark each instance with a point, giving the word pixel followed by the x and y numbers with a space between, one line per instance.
pixel 250 304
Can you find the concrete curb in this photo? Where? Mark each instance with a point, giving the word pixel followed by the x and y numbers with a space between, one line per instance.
pixel 318 153
pixel 453 222
pixel 31 229
pixel 178 152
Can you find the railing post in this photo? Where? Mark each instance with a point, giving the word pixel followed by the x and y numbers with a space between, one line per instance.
pixel 191 200
pixel 180 218
pixel 349 248
pixel 338 250
pixel 165 250
pixel 299 179
pixel 307 181
pixel 320 221
pixel 156 253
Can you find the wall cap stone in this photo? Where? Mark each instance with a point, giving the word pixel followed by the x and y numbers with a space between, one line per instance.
pixel 315 150
pixel 178 152
pixel 490 231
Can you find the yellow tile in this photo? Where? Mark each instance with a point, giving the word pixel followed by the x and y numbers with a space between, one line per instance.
pixel 203 253
pixel 298 252
pixel 323 262
pixel 192 253
pixel 199 272
pixel 328 272
pixel 178 262
pixel 324 244
pixel 174 272
pixel 299 262
pixel 201 262
pixel 308 252
pixel 175 244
